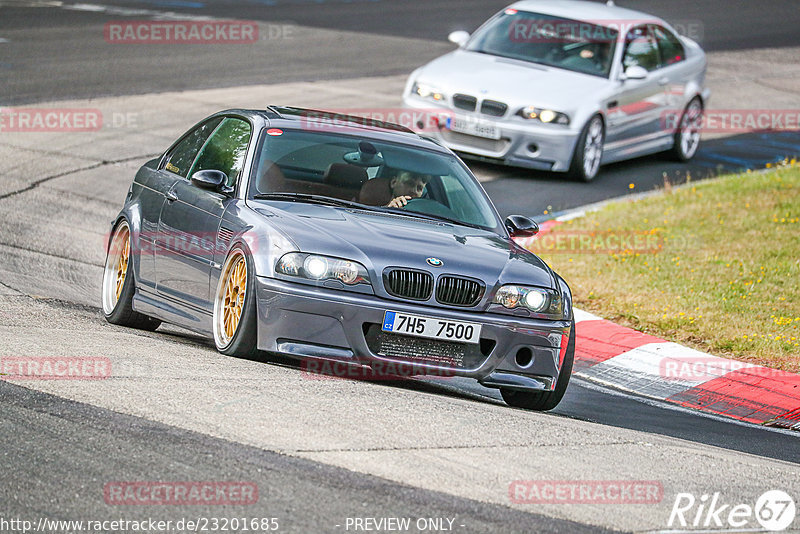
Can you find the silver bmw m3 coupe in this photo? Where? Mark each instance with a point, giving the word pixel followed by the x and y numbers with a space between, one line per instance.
pixel 566 86
pixel 335 238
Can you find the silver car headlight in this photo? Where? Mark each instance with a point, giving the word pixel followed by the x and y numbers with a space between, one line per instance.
pixel 534 299
pixel 320 268
pixel 548 116
pixel 428 92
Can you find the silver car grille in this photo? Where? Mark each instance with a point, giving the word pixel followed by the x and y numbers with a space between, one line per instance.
pixel 494 108
pixel 465 102
pixel 457 291
pixel 405 283
pixel 488 107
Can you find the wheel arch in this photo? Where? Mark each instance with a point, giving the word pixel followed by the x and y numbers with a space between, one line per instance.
pixel 566 294
pixel 132 215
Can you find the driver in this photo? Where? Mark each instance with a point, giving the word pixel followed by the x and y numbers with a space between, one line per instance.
pixel 405 186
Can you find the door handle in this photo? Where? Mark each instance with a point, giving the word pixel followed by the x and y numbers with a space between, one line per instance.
pixel 663 81
pixel 171 196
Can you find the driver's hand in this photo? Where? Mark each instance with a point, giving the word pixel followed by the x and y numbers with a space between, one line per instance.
pixel 398 202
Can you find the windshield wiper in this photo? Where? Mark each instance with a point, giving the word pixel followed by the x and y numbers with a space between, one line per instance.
pixel 434 217
pixel 330 201
pixel 311 199
pixel 512 58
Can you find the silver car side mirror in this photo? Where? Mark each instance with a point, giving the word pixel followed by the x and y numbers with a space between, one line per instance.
pixel 459 37
pixel 634 72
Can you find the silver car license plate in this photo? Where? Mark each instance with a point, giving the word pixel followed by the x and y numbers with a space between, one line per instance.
pixel 431 327
pixel 474 127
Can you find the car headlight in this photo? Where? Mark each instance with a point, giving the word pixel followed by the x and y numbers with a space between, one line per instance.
pixel 316 267
pixel 428 92
pixel 534 299
pixel 545 115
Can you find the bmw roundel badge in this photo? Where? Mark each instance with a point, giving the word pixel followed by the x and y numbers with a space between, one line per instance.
pixel 434 262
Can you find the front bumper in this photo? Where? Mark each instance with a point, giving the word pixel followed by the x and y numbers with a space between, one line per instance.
pixel 317 323
pixel 546 147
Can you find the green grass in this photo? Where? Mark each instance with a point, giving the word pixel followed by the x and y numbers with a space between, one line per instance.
pixel 723 276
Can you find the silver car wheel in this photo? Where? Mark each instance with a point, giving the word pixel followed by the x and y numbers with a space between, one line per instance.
pixel 593 147
pixel 689 135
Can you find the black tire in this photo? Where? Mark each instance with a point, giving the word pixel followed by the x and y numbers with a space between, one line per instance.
pixel 577 167
pixel 545 400
pixel 692 114
pixel 244 341
pixel 121 312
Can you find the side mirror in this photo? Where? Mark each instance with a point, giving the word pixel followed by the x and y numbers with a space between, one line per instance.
pixel 210 179
pixel 459 37
pixel 521 226
pixel 634 72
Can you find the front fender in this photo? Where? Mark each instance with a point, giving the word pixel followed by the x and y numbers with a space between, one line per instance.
pixel 262 241
pixel 566 294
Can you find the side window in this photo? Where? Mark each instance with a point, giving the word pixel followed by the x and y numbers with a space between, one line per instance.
pixel 669 46
pixel 226 149
pixel 180 159
pixel 640 49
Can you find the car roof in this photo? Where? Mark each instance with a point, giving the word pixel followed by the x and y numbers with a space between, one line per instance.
pixel 595 12
pixel 295 118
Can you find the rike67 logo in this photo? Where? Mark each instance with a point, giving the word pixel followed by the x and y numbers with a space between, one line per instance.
pixel 774 511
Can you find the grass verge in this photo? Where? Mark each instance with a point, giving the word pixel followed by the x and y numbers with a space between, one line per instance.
pixel 714 265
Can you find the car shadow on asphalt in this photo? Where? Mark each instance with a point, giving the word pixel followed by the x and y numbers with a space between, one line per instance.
pixel 449 386
pixel 582 402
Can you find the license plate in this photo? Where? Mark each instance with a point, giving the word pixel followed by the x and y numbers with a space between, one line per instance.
pixel 474 127
pixel 431 327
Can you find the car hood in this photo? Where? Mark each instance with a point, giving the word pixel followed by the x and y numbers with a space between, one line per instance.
pixel 380 240
pixel 514 82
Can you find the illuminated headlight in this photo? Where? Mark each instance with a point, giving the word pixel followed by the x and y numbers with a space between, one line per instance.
pixel 544 115
pixel 316 267
pixel 426 91
pixel 535 299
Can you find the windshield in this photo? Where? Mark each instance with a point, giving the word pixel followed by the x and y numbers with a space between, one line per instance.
pixel 381 175
pixel 557 42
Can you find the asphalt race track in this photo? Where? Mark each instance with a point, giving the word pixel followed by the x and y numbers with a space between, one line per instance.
pixel 322 451
pixel 59 53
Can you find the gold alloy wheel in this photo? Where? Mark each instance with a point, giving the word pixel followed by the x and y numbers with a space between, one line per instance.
pixel 116 268
pixel 229 302
pixel 235 290
pixel 122 266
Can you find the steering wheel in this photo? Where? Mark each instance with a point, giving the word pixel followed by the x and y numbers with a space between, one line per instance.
pixel 431 207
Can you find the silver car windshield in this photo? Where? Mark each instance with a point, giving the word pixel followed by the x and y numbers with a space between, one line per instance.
pixel 312 165
pixel 557 42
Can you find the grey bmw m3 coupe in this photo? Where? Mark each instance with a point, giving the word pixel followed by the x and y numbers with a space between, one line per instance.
pixel 335 238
